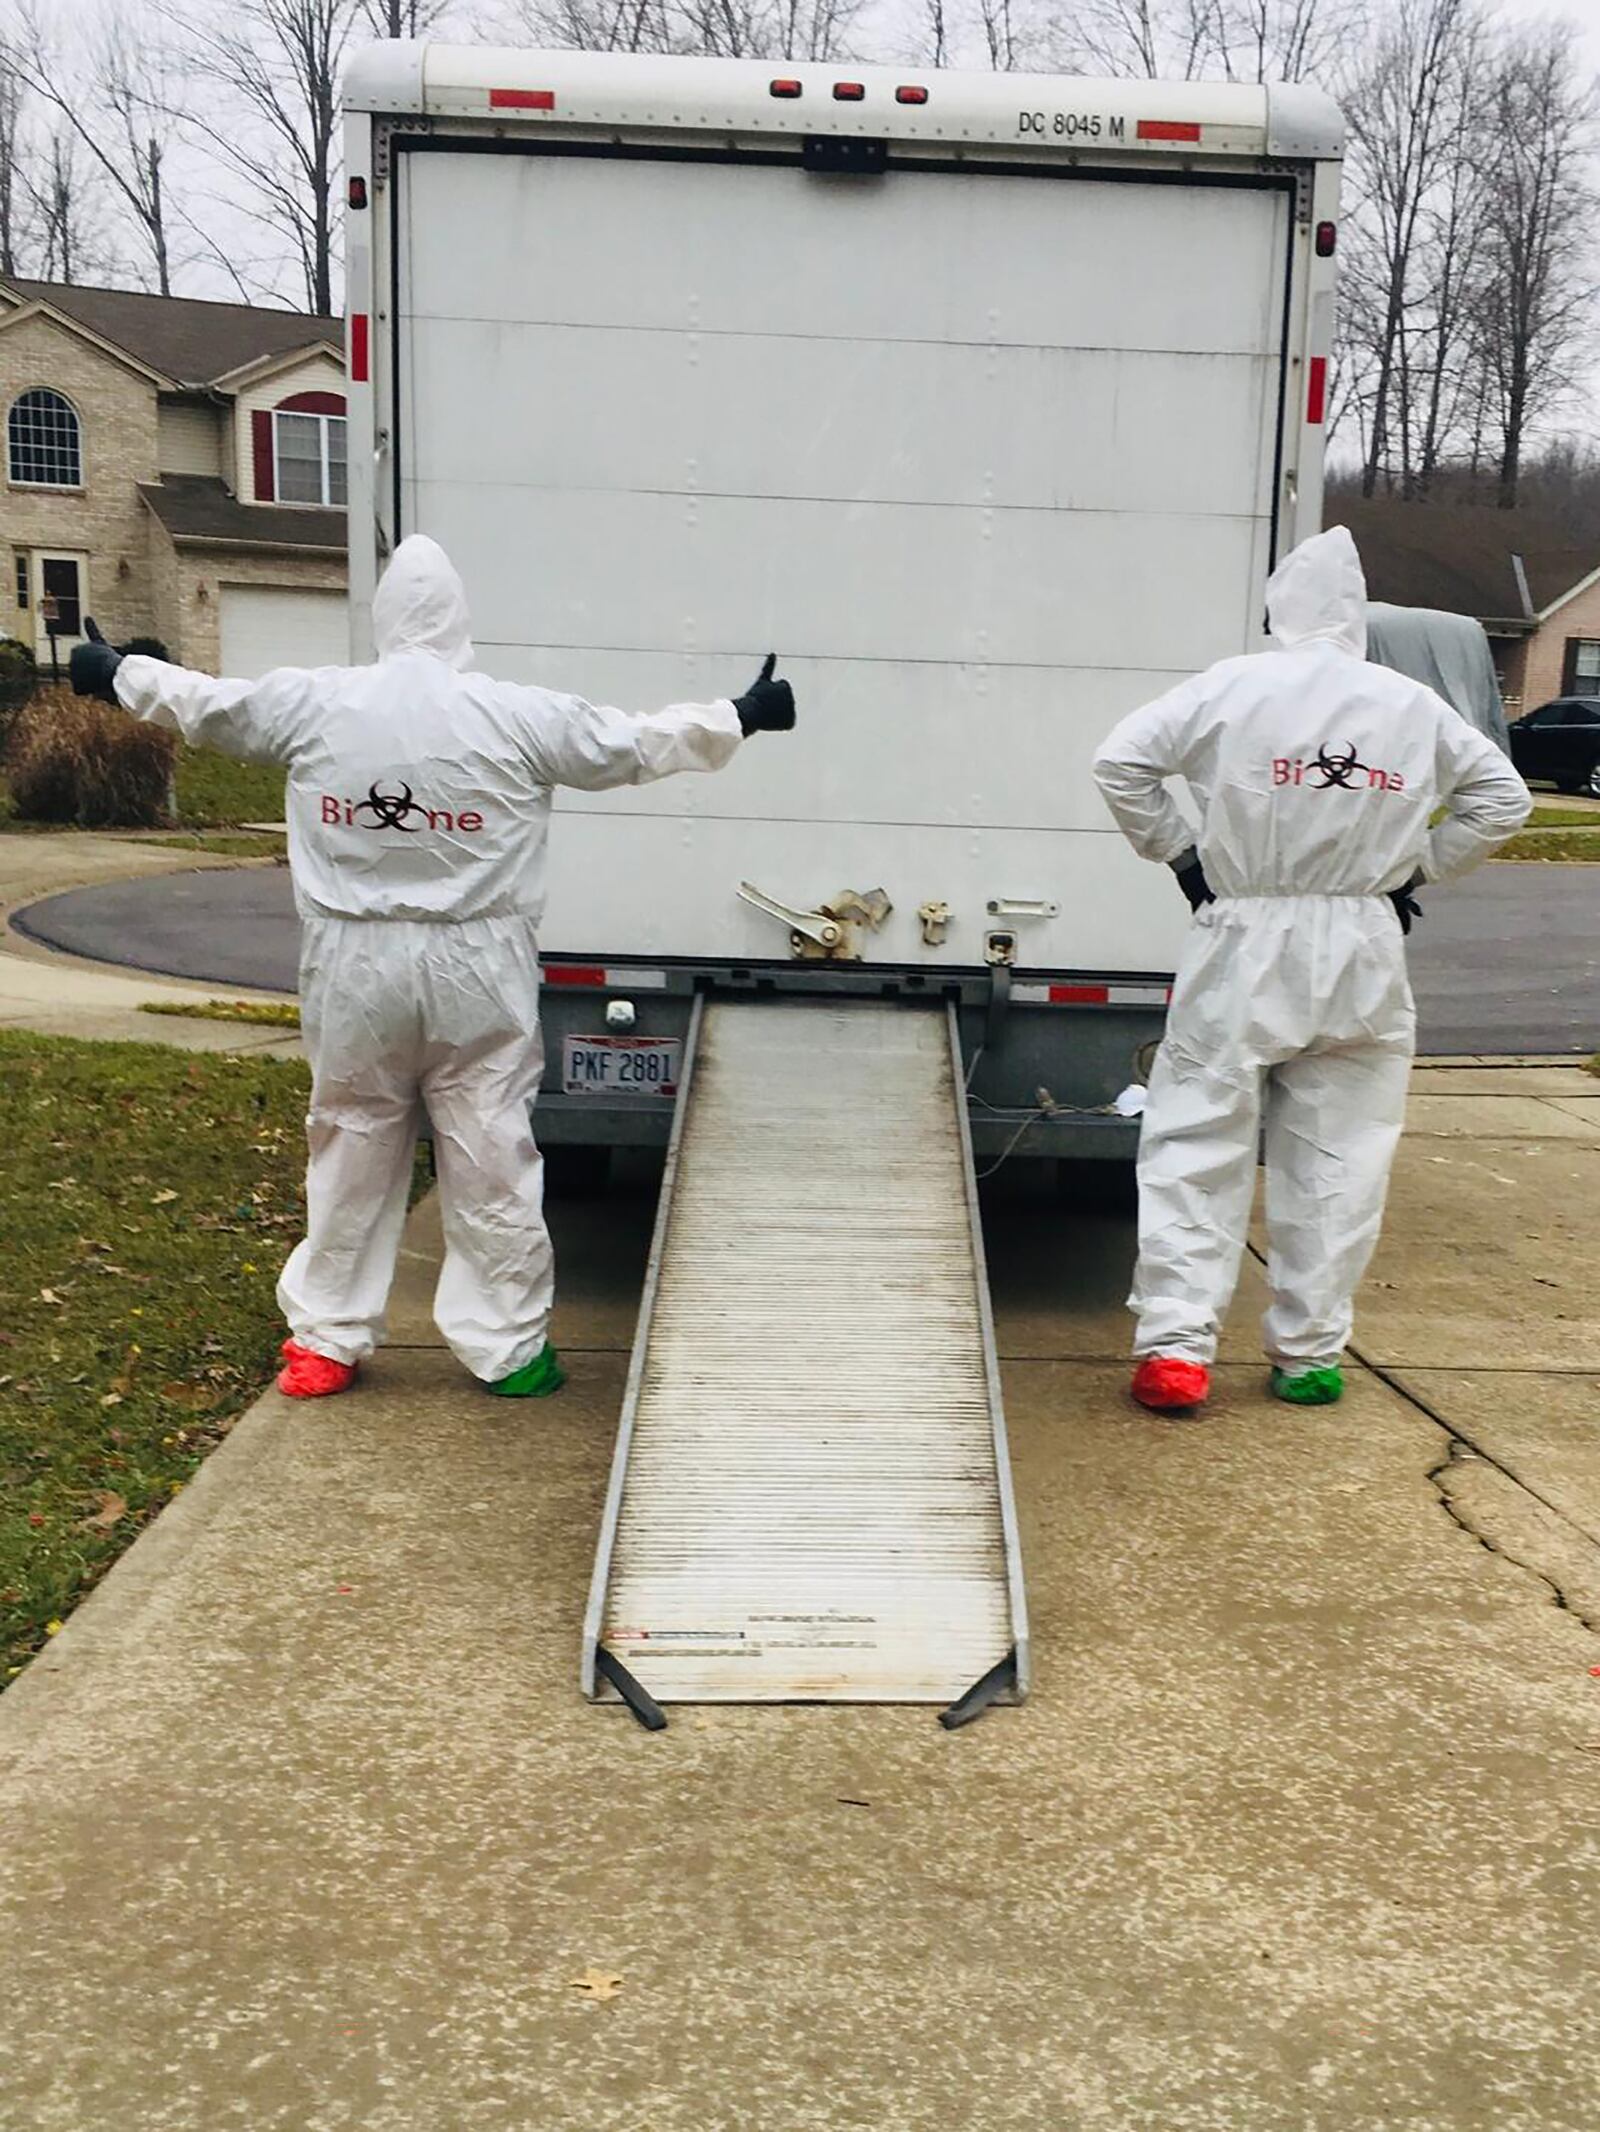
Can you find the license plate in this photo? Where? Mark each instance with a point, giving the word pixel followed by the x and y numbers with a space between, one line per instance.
pixel 621 1065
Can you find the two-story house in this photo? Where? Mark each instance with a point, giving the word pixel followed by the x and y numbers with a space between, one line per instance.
pixel 177 470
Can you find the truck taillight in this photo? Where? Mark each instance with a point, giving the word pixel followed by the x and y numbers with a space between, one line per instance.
pixel 849 92
pixel 1327 237
pixel 358 192
pixel 911 93
pixel 784 88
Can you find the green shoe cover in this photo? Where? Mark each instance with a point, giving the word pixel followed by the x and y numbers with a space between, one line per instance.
pixel 535 1380
pixel 1318 1387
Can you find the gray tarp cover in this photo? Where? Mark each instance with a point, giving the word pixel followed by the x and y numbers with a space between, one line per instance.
pixel 1448 652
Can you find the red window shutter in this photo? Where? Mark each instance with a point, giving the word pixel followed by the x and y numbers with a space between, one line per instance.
pixel 261 443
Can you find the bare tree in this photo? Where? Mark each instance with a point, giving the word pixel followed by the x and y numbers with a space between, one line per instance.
pixel 402 18
pixel 121 110
pixel 61 209
pixel 1539 208
pixel 13 190
pixel 1409 107
pixel 278 62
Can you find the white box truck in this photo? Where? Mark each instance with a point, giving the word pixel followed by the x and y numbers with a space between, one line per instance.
pixel 987 401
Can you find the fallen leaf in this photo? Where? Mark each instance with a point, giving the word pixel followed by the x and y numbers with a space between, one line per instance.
pixel 48 1295
pixel 164 1198
pixel 112 1399
pixel 52 1628
pixel 597 1984
pixel 113 1509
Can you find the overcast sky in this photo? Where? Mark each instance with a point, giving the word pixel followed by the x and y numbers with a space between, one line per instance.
pixel 234 235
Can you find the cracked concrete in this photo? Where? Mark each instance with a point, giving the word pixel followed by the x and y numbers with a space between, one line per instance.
pixel 309 1829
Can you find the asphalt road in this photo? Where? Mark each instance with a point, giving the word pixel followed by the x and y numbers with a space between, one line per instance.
pixel 1507 962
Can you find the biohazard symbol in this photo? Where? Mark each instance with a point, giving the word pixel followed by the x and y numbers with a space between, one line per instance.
pixel 1337 767
pixel 389 810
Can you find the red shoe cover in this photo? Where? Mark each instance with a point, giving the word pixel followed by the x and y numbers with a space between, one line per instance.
pixel 309 1376
pixel 1165 1385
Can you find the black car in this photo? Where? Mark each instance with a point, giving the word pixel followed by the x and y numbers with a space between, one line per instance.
pixel 1560 743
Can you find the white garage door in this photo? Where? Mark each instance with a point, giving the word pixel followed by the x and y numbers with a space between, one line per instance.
pixel 265 626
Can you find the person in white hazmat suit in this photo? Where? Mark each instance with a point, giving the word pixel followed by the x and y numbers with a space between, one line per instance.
pixel 1316 778
pixel 419 799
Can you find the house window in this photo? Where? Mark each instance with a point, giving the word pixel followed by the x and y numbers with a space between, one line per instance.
pixel 309 458
pixel 1583 666
pixel 44 441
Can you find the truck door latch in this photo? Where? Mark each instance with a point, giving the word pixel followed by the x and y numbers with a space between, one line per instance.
pixel 814 928
pixel 833 933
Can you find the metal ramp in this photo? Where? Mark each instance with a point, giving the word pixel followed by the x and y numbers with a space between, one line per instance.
pixel 810 1499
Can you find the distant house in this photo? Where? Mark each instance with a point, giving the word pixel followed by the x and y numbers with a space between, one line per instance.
pixel 177 470
pixel 1536 593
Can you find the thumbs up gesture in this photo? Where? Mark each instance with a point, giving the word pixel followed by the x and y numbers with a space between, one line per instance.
pixel 767 706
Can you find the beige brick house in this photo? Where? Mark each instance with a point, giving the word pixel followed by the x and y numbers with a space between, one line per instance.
pixel 1561 657
pixel 177 470
pixel 1536 593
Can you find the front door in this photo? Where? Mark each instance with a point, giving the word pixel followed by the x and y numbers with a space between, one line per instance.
pixel 60 593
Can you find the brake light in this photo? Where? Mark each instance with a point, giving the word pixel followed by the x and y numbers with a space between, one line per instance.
pixel 1327 238
pixel 783 88
pixel 358 192
pixel 911 93
pixel 849 92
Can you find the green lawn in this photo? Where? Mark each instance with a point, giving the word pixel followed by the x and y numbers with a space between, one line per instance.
pixel 1567 846
pixel 147 1200
pixel 1561 818
pixel 214 792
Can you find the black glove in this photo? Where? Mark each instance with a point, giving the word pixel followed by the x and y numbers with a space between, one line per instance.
pixel 1406 906
pixel 93 666
pixel 767 706
pixel 1192 880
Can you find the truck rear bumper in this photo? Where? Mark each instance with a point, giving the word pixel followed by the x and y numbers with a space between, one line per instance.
pixel 1047 1053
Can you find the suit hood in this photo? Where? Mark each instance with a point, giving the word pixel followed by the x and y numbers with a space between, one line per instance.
pixel 421 605
pixel 1318 595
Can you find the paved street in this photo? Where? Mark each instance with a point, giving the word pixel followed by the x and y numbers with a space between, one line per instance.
pixel 312 1830
pixel 1506 962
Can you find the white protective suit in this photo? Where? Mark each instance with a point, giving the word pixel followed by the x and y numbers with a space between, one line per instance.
pixel 1316 777
pixel 419 804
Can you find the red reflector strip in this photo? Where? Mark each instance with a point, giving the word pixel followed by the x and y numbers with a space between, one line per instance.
pixel 522 99
pixel 1030 995
pixel 1168 129
pixel 574 973
pixel 911 95
pixel 1317 389
pixel 360 348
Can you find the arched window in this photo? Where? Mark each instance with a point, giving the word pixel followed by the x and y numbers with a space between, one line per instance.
pixel 44 441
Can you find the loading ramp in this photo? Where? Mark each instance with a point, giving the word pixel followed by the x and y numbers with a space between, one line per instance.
pixel 810 1498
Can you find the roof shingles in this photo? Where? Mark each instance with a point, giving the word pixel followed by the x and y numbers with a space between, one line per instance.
pixel 191 343
pixel 198 508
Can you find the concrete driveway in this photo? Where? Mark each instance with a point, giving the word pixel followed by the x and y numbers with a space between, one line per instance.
pixel 308 1829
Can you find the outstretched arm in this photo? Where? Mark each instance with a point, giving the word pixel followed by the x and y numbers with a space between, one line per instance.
pixel 572 742
pixel 258 720
pixel 1485 801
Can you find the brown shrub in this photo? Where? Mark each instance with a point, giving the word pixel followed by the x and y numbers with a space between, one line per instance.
pixel 74 759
